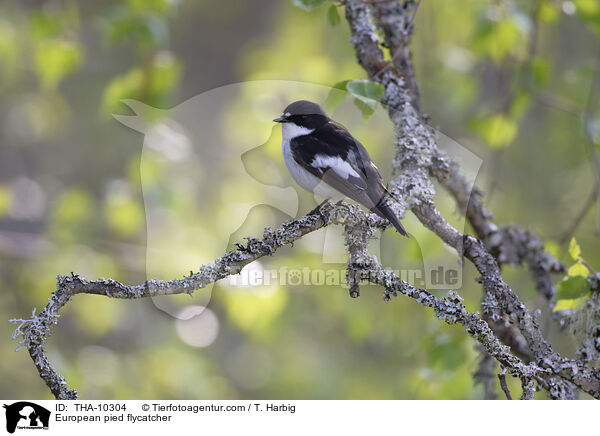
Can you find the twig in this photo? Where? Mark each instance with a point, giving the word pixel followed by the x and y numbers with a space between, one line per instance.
pixel 451 310
pixel 594 198
pixel 502 379
pixel 485 374
pixel 559 103
pixel 405 39
pixel 590 146
pixel 32 333
pixel 570 230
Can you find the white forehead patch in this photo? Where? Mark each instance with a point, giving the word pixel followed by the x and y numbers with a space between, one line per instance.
pixel 336 163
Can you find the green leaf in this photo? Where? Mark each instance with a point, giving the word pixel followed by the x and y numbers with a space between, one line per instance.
pixel 521 102
pixel 574 249
pixel 54 59
pixel 332 15
pixel 578 269
pixel 73 206
pixel 366 91
pixel 589 12
pixel 51 22
pixel 127 85
pixel 166 70
pixel 154 82
pixel 336 95
pixel 44 25
pixel 570 304
pixel 308 5
pixel 535 73
pixel 72 215
pixel 589 9
pixel 124 215
pixel 497 39
pixel 446 353
pixel 366 95
pixel 497 130
pixel 547 12
pixel 541 70
pixel 366 108
pixel 147 30
pixel 571 288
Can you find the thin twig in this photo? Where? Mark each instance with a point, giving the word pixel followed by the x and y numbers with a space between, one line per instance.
pixel 587 126
pixel 589 202
pixel 502 379
pixel 586 119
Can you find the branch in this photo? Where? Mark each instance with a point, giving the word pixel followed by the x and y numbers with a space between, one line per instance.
pixel 33 332
pixel 417 156
pixel 451 310
pixel 485 374
pixel 396 20
pixel 502 380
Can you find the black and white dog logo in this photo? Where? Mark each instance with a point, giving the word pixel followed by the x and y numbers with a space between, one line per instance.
pixel 26 415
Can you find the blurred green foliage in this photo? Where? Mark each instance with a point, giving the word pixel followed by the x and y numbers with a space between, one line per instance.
pixel 495 75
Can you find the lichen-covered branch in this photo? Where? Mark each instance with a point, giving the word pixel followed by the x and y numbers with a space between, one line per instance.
pixel 451 310
pixel 32 333
pixel 417 157
pixel 510 244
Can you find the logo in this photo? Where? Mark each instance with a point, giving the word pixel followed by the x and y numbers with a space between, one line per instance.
pixel 26 415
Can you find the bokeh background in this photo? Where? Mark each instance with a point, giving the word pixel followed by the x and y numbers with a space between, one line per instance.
pixel 512 81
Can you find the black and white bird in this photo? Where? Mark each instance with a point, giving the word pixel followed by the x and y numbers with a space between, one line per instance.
pixel 324 158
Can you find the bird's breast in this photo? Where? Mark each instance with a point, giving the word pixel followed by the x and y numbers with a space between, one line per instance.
pixel 300 175
pixel 304 178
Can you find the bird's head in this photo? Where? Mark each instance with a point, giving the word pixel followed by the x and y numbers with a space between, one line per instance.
pixel 304 114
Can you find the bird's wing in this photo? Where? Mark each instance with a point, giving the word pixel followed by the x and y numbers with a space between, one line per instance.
pixel 334 156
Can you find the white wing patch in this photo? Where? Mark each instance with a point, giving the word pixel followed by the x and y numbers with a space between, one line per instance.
pixel 336 163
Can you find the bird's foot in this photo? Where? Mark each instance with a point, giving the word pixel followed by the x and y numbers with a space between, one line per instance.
pixel 317 210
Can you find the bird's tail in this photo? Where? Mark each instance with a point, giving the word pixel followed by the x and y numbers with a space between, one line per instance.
pixel 384 211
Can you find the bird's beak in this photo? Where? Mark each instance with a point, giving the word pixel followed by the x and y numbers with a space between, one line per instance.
pixel 281 119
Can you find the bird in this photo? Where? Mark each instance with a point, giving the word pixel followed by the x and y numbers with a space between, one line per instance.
pixel 324 158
